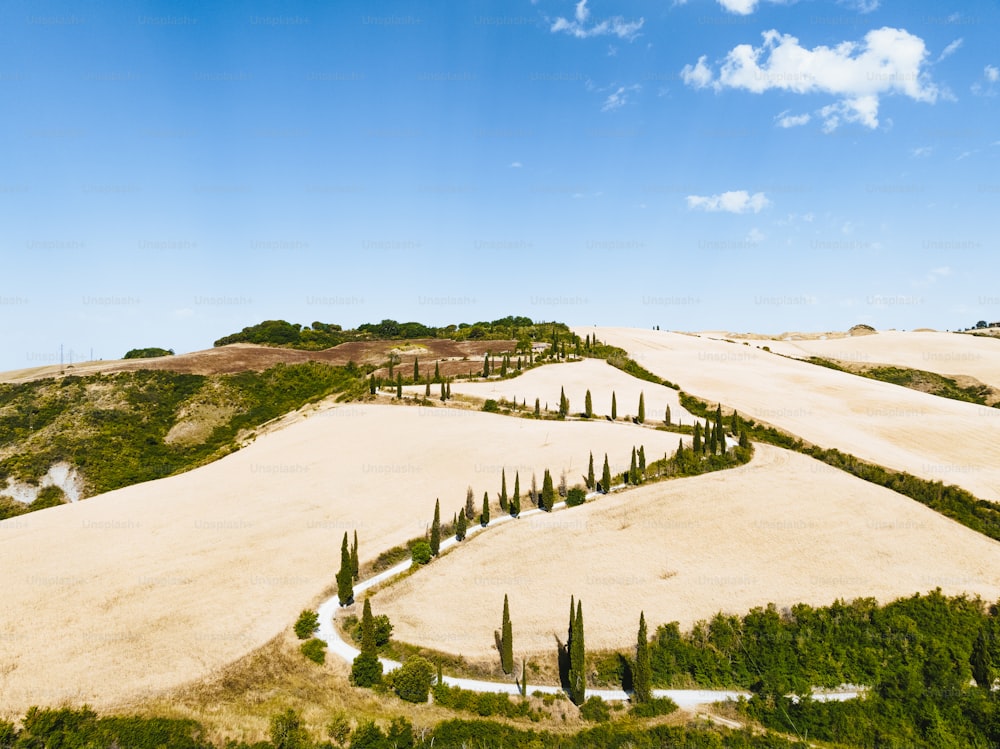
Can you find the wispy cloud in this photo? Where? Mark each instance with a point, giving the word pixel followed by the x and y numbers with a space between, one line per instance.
pixel 786 120
pixel 619 97
pixel 886 61
pixel 950 49
pixel 579 28
pixel 921 152
pixel 516 165
pixel 734 201
pixel 988 85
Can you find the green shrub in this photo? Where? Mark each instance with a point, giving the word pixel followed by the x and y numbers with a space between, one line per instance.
pixel 48 496
pixel 148 353
pixel 575 496
pixel 421 553
pixel 656 706
pixel 491 406
pixel 412 681
pixel 307 623
pixel 595 710
pixel 314 649
pixel 366 671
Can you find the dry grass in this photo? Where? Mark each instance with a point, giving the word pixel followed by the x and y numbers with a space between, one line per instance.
pixel 931 437
pixel 783 529
pixel 165 582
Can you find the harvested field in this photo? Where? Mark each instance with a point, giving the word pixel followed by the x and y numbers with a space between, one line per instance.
pixel 783 529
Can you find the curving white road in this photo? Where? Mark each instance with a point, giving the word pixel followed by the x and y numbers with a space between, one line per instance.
pixel 685 698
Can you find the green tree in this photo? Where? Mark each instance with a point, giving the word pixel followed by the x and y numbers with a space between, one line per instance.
pixel 486 366
pixel 577 658
pixel 666 418
pixel 345 577
pixel 371 384
pixel 590 473
pixel 982 661
pixel 287 731
pixel 515 499
pixel 538 411
pixel 420 553
pixel 461 527
pixel 642 462
pixel 588 406
pixel 633 470
pixel 339 728
pixel 416 370
pixel 506 640
pixel 548 492
pixel 641 418
pixel 484 516
pixel 412 682
pixel 399 385
pixel 696 439
pixel 563 404
pixel 642 672
pixel 443 395
pixel 436 529
pixel 614 406
pixel 503 490
pixel 470 510
pixel 355 559
pixel 427 389
pixel 437 371
pixel 368 736
pixel 606 476
pixel 447 391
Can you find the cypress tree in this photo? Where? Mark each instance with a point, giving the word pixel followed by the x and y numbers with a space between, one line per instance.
pixel 744 439
pixel 503 490
pixel 486 366
pixel 427 389
pixel 533 491
pixel 704 444
pixel 606 476
pixel 666 418
pixel 590 473
pixel 345 577
pixel 436 529
pixel 588 406
pixel 734 424
pixel 442 393
pixel 416 370
pixel 355 561
pixel 614 406
pixel 524 678
pixel 399 385
pixel 641 674
pixel 503 367
pixel 470 510
pixel 461 527
pixel 641 418
pixel 371 384
pixel 519 364
pixel 515 500
pixel 642 462
pixel 506 640
pixel 367 629
pixel 448 390
pixel 563 403
pixel 696 440
pixel 484 517
pixel 548 492
pixel 538 412
pixel 577 660
pixel 679 456
pixel 718 420
pixel 982 662
pixel 633 470
pixel 437 372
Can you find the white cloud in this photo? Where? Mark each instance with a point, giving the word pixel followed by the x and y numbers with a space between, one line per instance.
pixel 616 26
pixel 755 236
pixel 734 201
pixel 619 97
pixel 950 49
pixel 862 6
pixel 699 75
pixel 792 120
pixel 887 61
pixel 516 165
pixel 921 152
pixel 740 7
pixel 932 277
pixel 991 73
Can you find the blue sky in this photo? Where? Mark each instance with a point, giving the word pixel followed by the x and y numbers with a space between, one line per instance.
pixel 171 172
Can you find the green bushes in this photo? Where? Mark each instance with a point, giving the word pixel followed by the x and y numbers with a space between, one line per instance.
pixel 491 406
pixel 308 622
pixel 148 353
pixel 575 496
pixel 653 708
pixel 412 681
pixel 595 710
pixel 484 704
pixel 314 649
pixel 420 553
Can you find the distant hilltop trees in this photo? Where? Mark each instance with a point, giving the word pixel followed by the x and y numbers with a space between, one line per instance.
pixel 322 335
pixel 148 353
